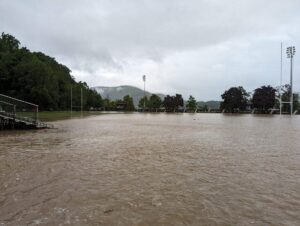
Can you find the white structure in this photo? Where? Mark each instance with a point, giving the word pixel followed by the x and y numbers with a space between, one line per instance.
pixel 290 51
pixel 290 54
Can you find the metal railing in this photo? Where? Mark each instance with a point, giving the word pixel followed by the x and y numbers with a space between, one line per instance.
pixel 19 108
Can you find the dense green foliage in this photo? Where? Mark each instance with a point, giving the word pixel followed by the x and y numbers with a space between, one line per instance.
pixel 234 99
pixel 128 103
pixel 144 102
pixel 118 92
pixel 172 103
pixel 151 104
pixel 286 94
pixel 263 98
pixel 191 104
pixel 109 105
pixel 38 78
pixel 119 105
pixel 155 102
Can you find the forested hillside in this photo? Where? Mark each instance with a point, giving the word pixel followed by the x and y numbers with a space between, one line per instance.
pixel 118 92
pixel 38 78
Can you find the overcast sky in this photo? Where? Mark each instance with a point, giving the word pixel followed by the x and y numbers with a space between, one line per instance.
pixel 197 47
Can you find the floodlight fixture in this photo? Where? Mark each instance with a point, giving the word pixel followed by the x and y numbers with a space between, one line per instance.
pixel 290 51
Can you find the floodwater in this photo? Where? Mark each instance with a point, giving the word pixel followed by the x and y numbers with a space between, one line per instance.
pixel 153 169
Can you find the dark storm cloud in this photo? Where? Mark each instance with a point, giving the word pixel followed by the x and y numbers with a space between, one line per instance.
pixel 190 47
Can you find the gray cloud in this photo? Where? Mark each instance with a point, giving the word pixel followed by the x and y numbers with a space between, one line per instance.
pixel 190 47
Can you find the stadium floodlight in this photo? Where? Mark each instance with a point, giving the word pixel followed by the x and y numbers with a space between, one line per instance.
pixel 290 51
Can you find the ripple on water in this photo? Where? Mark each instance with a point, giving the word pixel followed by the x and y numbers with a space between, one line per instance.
pixel 153 169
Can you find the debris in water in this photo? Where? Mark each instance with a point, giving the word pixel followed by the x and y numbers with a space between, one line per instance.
pixel 108 211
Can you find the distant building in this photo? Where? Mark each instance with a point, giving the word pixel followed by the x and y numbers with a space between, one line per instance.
pixel 120 105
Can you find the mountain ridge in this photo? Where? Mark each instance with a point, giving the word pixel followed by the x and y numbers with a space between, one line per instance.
pixel 118 92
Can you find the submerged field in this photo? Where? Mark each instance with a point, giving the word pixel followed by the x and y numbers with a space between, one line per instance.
pixel 59 115
pixel 153 169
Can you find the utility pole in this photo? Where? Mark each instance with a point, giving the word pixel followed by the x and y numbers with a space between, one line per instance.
pixel 280 95
pixel 37 114
pixel 290 54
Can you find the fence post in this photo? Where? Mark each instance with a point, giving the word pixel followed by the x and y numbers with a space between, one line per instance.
pixel 15 111
pixel 37 114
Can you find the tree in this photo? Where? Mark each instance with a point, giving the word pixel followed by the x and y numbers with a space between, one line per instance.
pixel 8 43
pixel 38 78
pixel 93 99
pixel 143 103
pixel 106 104
pixel 172 103
pixel 168 103
pixel 286 94
pixel 235 98
pixel 191 104
pixel 264 98
pixel 154 102
pixel 128 101
pixel 178 101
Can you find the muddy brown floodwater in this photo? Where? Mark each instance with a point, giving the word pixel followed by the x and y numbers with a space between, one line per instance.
pixel 153 169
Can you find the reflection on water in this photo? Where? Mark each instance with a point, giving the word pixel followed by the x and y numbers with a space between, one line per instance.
pixel 153 169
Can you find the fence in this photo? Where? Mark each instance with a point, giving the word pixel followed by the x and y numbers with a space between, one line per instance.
pixel 15 108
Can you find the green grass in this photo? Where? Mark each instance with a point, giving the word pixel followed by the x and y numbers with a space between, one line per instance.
pixel 59 115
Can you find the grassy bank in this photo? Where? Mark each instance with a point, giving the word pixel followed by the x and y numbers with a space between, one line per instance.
pixel 59 115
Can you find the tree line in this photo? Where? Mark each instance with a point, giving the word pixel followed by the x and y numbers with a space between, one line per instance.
pixel 236 99
pixel 154 103
pixel 40 79
pixel 263 100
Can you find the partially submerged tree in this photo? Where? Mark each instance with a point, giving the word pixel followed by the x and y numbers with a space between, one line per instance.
pixel 154 102
pixel 178 101
pixel 129 106
pixel 172 103
pixel 191 104
pixel 144 102
pixel 168 103
pixel 234 99
pixel 263 98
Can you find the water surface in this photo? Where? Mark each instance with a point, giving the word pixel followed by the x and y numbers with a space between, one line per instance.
pixel 153 169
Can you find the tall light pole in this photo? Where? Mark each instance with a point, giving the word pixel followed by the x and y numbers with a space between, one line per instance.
pixel 144 80
pixel 280 95
pixel 290 51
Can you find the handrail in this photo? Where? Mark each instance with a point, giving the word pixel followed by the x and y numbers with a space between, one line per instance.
pixel 37 124
pixel 4 102
pixel 25 102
